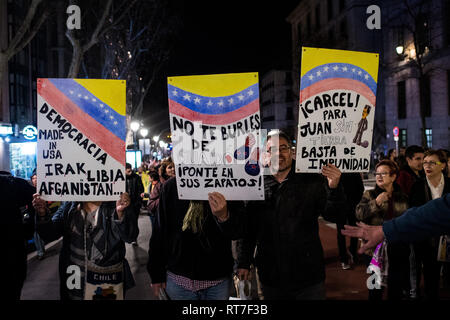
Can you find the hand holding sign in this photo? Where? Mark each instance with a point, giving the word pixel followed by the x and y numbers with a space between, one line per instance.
pixel 333 174
pixel 39 204
pixel 122 203
pixel 218 205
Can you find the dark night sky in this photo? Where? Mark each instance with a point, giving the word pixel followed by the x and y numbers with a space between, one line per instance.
pixel 224 37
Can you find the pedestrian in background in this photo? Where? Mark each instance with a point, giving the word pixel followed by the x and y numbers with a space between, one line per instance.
pixel 383 203
pixel 155 191
pixel 413 171
pixel 434 186
pixel 134 188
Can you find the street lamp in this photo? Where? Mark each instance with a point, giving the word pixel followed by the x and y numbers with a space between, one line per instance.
pixel 399 49
pixel 144 132
pixel 156 139
pixel 134 126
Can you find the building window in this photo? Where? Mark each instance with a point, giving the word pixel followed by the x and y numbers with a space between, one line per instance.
pixel 422 33
pixel 427 96
pixel 289 114
pixel 330 9
pixel 318 17
pixel 429 136
pixel 403 138
pixel 401 100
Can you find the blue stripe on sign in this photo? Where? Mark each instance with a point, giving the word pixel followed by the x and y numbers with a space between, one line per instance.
pixel 213 105
pixel 90 104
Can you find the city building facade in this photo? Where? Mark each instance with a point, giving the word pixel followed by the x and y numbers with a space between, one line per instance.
pixel 417 63
pixel 45 56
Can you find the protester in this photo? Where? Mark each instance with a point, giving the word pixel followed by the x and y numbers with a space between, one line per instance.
pixel 134 188
pixel 94 236
pixel 145 178
pixel 15 194
pixel 434 186
pixel 416 224
pixel 413 170
pixel 392 155
pixel 353 188
pixel 190 249
pixel 380 204
pixel 38 242
pixel 284 227
pixel 155 191
pixel 166 170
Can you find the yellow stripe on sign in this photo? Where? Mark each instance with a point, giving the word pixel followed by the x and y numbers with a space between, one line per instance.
pixel 314 57
pixel 111 92
pixel 215 85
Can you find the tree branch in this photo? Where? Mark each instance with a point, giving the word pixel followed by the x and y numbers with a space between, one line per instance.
pixel 24 26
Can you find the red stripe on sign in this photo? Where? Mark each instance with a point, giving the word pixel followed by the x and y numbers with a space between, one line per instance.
pixel 224 118
pixel 87 125
pixel 337 84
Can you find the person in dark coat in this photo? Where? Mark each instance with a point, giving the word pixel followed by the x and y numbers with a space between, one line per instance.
pixel 353 187
pixel 190 249
pixel 285 228
pixel 134 188
pixel 15 193
pixel 432 187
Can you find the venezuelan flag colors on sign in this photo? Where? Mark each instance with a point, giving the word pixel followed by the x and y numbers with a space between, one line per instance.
pixel 337 107
pixel 214 99
pixel 215 125
pixel 82 130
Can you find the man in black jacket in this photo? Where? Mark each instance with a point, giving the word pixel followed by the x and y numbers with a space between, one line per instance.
pixel 134 188
pixel 15 194
pixel 284 227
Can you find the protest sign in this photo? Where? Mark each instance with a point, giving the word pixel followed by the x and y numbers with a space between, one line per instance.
pixel 81 139
pixel 215 126
pixel 337 109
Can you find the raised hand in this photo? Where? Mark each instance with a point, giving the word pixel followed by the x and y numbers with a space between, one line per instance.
pixel 373 234
pixel 218 205
pixel 333 174
pixel 122 203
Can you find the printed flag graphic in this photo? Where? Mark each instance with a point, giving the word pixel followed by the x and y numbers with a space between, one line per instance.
pixel 337 109
pixel 81 142
pixel 215 126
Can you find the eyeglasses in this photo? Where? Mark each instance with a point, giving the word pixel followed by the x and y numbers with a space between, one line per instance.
pixel 383 174
pixel 282 149
pixel 431 163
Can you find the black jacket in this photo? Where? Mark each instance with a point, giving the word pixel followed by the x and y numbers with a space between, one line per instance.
pixel 203 256
pixel 134 187
pixel 420 195
pixel 15 194
pixel 286 231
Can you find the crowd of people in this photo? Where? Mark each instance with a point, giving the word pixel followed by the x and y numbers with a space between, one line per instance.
pixel 190 250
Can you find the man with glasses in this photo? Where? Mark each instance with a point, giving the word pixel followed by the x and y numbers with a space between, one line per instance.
pixel 284 227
